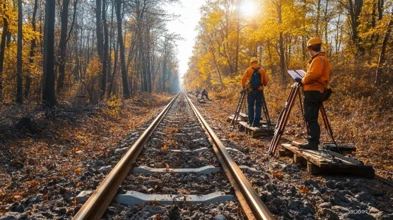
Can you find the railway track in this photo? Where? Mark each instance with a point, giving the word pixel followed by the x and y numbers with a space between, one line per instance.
pixel 178 163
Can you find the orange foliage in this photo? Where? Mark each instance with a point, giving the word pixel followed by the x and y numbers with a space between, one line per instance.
pixel 304 190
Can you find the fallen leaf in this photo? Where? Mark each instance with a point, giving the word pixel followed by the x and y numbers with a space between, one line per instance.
pixel 80 184
pixel 32 183
pixel 78 170
pixel 304 190
pixel 277 174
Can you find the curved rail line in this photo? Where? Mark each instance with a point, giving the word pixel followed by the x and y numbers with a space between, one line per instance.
pixel 96 205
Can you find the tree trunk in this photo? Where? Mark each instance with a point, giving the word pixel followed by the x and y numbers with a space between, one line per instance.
pixel 2 49
pixel 164 66
pixel 48 95
pixel 126 92
pixel 99 30
pixel 281 45
pixel 19 91
pixel 32 48
pixel 148 65
pixel 63 45
pixel 100 15
pixel 237 40
pixel 114 71
pixel 354 10
pixel 318 17
pixel 106 51
pixel 382 57
pixel 112 65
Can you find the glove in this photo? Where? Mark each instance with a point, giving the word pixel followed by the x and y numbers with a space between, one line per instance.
pixel 298 79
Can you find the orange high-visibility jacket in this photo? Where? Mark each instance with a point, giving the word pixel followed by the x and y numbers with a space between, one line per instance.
pixel 248 73
pixel 318 73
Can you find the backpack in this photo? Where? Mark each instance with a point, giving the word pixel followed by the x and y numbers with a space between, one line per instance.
pixel 255 80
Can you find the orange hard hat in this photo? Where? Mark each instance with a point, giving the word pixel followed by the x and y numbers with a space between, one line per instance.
pixel 254 59
pixel 313 41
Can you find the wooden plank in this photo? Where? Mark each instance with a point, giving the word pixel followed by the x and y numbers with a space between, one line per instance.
pixel 298 159
pixel 312 168
pixel 310 155
pixel 242 117
pixel 324 161
pixel 344 159
pixel 340 148
pixel 254 132
pixel 285 153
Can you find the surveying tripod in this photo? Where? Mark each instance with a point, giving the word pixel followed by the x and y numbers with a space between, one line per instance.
pixel 284 115
pixel 240 104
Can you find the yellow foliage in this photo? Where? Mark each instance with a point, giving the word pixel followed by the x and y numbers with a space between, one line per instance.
pixel 94 67
pixel 113 107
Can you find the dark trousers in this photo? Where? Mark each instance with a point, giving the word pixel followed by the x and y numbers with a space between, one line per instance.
pixel 312 103
pixel 254 97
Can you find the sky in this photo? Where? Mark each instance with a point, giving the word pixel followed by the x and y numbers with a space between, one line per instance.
pixel 188 10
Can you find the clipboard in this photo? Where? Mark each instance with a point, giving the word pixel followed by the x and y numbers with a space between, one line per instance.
pixel 296 73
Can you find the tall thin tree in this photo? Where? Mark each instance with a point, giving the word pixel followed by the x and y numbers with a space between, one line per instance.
pixel 19 81
pixel 33 45
pixel 105 50
pixel 48 94
pixel 2 49
pixel 126 91
pixel 382 55
pixel 63 45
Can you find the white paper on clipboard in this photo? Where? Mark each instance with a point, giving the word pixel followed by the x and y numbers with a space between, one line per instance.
pixel 296 73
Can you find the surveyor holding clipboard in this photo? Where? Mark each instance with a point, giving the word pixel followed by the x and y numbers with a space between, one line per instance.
pixel 314 83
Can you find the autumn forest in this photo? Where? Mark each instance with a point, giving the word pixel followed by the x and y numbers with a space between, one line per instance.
pixel 357 38
pixel 53 50
pixel 80 78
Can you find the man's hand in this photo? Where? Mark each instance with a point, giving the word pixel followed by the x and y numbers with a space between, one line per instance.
pixel 298 79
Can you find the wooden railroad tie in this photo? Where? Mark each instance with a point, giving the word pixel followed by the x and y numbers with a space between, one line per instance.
pixel 326 161
pixel 263 130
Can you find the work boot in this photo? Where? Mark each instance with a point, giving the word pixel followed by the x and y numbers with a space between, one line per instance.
pixel 257 125
pixel 308 146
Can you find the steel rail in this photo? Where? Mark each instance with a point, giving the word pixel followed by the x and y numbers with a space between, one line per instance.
pixel 98 202
pixel 253 201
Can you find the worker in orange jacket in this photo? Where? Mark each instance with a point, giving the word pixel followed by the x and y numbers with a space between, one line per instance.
pixel 253 81
pixel 314 83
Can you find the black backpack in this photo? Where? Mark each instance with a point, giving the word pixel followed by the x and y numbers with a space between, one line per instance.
pixel 255 80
